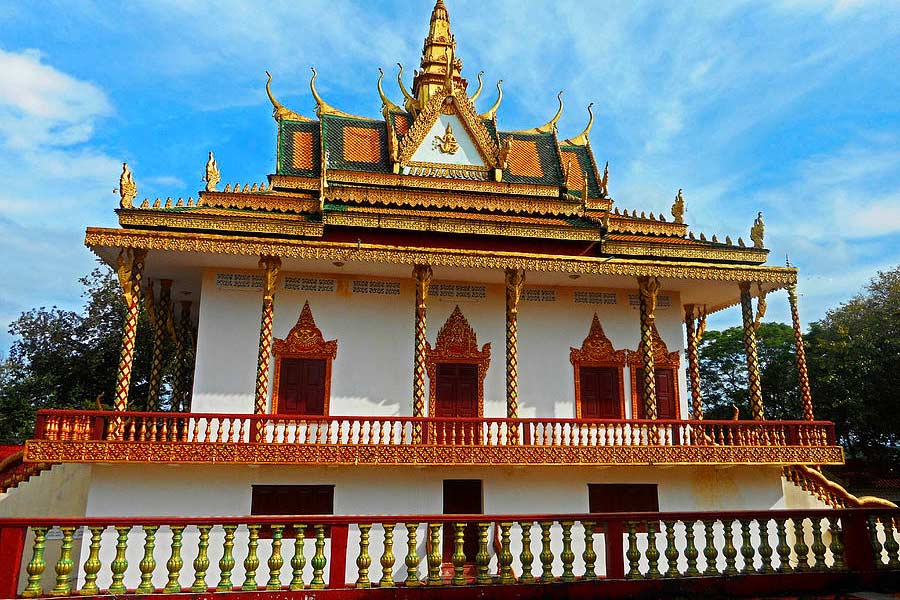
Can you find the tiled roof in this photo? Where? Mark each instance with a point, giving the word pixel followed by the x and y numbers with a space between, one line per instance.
pixel 356 144
pixel 298 150
pixel 580 167
pixel 533 159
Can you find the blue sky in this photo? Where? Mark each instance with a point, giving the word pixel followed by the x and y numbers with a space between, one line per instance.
pixel 789 107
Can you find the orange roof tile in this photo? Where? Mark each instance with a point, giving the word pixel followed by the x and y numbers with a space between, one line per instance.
pixel 303 150
pixel 524 159
pixel 362 144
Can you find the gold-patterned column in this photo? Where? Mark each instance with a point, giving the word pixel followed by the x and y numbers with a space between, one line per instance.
pixel 756 404
pixel 422 275
pixel 648 288
pixel 129 268
pixel 805 396
pixel 156 313
pixel 695 324
pixel 515 281
pixel 271 266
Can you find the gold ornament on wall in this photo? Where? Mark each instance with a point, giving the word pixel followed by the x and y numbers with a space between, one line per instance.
pixel 446 144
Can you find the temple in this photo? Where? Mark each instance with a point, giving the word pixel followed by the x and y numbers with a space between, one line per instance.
pixel 439 347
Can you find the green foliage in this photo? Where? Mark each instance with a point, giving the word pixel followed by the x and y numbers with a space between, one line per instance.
pixel 723 373
pixel 67 359
pixel 854 365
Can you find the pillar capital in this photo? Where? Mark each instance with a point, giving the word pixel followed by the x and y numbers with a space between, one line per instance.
pixel 272 267
pixel 422 275
pixel 515 282
pixel 648 288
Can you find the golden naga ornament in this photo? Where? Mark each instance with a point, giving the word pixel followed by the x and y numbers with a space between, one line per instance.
pixel 127 189
pixel 758 231
pixel 678 208
pixel 446 144
pixel 212 176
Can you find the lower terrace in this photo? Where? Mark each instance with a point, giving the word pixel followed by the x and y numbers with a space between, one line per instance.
pixel 114 437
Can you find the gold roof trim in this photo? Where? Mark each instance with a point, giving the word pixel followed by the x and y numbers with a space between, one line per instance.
pixel 661 248
pixel 388 105
pixel 582 138
pixel 98 237
pixel 277 201
pixel 323 108
pixel 550 125
pixel 279 112
pixel 223 221
pixel 492 111
pixel 477 93
pixel 438 184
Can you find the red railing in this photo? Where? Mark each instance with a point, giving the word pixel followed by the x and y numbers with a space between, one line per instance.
pixel 623 554
pixel 211 428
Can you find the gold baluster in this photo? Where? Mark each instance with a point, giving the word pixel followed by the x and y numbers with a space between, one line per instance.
pixel 387 556
pixel 363 560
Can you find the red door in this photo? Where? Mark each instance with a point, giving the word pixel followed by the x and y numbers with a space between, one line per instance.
pixel 599 393
pixel 665 393
pixel 462 497
pixel 301 386
pixel 457 398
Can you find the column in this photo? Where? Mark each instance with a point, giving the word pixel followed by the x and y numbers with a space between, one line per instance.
pixel 515 281
pixel 129 268
pixel 271 266
pixel 648 287
pixel 805 396
pixel 756 404
pixel 422 275
pixel 186 337
pixel 157 311
pixel 694 323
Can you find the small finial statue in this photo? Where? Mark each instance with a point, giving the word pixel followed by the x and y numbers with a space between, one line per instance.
pixel 758 231
pixel 212 173
pixel 127 189
pixel 678 207
pixel 604 183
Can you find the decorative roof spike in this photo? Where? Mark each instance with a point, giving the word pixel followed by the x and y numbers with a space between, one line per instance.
pixel 715 240
pixel 180 203
pixel 550 125
pixel 255 187
pixel 652 216
pixel 758 231
pixel 702 237
pixel 322 107
pixel 156 204
pixel 279 112
pixel 662 217
pixel 582 138
pixel 227 187
pixel 212 176
pixel 169 202
pixel 604 183
pixel 643 215
pixel 492 111
pixel 246 189
pixel 409 101
pixel 678 207
pixel 617 211
pixel 127 189
pixel 477 93
pixel 691 235
pixel 728 240
pixel 145 203
pixel 190 201
pixel 385 101
pixel 741 242
pixel 787 261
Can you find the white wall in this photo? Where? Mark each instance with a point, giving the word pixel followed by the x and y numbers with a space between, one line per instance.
pixel 372 374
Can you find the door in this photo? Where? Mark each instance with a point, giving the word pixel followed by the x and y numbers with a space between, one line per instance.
pixel 599 393
pixel 666 407
pixel 462 497
pixel 457 397
pixel 301 386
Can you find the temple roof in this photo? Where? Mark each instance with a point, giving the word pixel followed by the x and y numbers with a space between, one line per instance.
pixel 432 163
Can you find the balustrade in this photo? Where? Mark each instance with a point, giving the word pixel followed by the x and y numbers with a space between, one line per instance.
pixel 635 547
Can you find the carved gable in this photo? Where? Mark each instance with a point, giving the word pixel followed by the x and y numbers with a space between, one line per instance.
pixel 661 354
pixel 305 339
pixel 597 348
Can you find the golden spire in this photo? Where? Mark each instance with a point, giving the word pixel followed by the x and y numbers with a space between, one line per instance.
pixel 582 138
pixel 551 124
pixel 388 105
pixel 492 111
pixel 438 60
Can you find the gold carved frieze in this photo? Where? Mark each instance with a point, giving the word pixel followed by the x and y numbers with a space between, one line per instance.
pixel 279 202
pixel 438 183
pixel 237 453
pixel 340 251
pixel 221 221
pixel 456 343
pixel 664 249
pixel 619 224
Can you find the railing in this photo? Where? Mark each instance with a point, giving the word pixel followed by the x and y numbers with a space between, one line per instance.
pixel 216 554
pixel 56 425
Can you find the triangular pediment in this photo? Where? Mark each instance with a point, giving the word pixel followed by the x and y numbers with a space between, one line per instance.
pixel 448 139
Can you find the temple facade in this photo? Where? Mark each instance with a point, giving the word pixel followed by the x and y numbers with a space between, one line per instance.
pixel 418 313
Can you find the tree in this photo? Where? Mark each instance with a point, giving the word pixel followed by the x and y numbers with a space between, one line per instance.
pixel 854 363
pixel 67 359
pixel 723 372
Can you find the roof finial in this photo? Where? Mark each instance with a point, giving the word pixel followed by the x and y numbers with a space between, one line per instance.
pixel 212 173
pixel 412 105
pixel 127 189
pixel 758 231
pixel 477 93
pixel 604 182
pixel 279 112
pixel 678 207
pixel 550 125
pixel 390 106
pixel 322 107
pixel 582 138
pixel 492 111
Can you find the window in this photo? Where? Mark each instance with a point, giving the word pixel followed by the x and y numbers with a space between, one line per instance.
pixel 666 398
pixel 622 497
pixel 600 395
pixel 291 500
pixel 462 497
pixel 301 389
